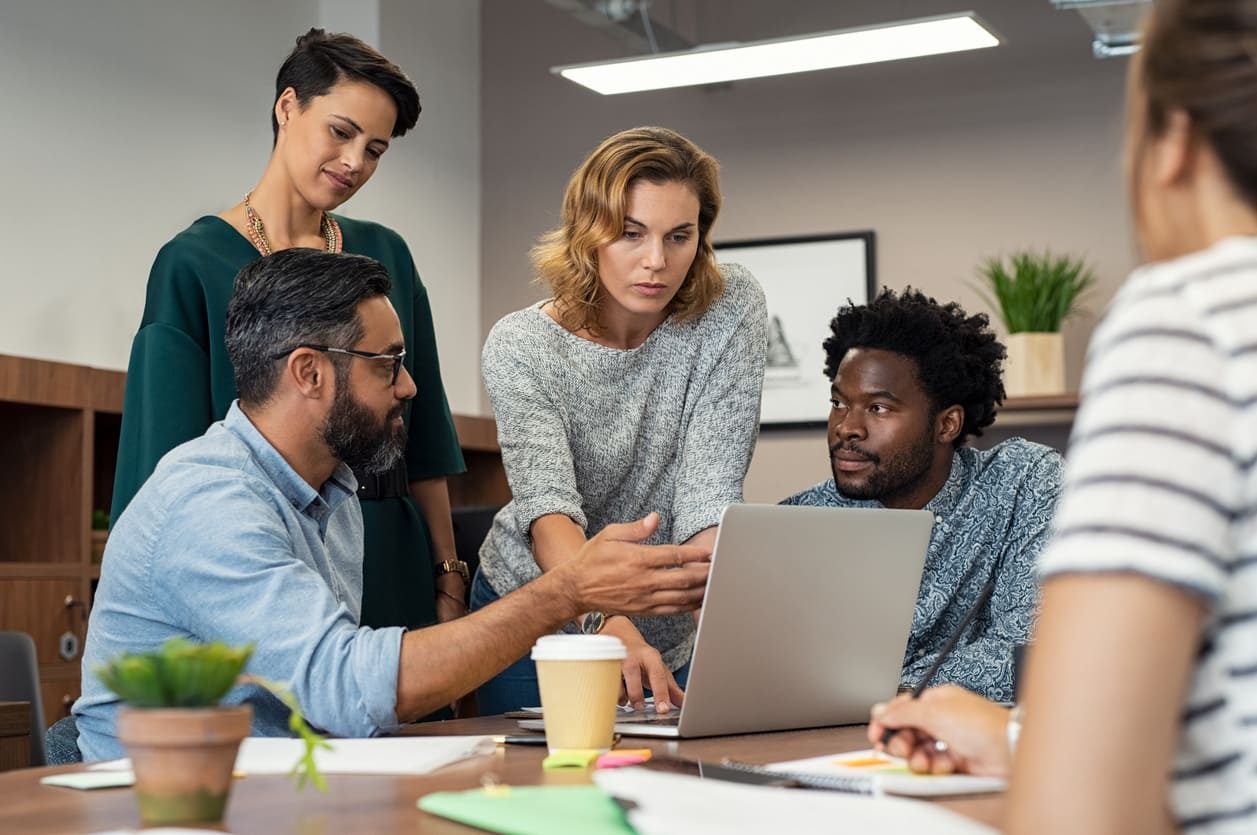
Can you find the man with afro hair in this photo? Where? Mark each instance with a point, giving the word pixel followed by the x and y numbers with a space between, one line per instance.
pixel 913 380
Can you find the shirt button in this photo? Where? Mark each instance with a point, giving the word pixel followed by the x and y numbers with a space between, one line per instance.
pixel 938 519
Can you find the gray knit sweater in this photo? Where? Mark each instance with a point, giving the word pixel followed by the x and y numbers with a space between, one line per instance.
pixel 604 435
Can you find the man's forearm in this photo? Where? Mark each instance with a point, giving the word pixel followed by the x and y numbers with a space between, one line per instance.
pixel 441 663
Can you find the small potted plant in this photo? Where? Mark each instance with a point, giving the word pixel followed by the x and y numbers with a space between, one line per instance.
pixel 182 743
pixel 1034 294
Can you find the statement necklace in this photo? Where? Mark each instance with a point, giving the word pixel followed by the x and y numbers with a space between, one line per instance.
pixel 328 228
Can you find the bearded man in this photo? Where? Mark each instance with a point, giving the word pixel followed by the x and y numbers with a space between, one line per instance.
pixel 252 533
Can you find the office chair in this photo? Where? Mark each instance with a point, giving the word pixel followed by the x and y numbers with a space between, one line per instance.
pixel 471 526
pixel 21 684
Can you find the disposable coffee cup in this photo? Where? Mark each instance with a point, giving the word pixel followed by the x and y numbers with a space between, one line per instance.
pixel 579 678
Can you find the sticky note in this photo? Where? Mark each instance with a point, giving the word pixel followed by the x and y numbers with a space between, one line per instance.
pixel 571 758
pixel 623 757
pixel 864 762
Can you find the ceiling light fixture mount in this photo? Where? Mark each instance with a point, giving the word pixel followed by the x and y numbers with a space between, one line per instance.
pixel 714 64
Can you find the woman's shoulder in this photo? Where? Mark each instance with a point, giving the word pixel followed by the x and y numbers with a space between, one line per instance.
pixel 206 236
pixel 367 236
pixel 522 328
pixel 742 297
pixel 201 260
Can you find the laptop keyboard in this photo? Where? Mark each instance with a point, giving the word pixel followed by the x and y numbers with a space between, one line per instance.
pixel 648 717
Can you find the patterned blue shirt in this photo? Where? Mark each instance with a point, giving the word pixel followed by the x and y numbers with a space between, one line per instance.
pixel 991 519
pixel 226 542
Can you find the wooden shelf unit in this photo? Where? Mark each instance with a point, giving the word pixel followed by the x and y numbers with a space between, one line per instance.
pixel 1038 411
pixel 59 428
pixel 59 431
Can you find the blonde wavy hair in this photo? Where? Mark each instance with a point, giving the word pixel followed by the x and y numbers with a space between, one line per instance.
pixel 594 205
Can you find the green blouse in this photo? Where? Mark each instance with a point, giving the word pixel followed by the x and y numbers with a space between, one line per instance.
pixel 180 380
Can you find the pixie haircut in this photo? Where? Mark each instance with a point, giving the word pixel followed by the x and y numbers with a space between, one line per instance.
pixel 594 206
pixel 295 297
pixel 320 61
pixel 958 358
pixel 1200 56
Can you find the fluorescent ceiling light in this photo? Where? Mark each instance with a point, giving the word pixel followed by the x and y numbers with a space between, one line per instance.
pixel 826 50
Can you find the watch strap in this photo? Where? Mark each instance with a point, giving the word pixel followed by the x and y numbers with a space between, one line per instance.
pixel 454 567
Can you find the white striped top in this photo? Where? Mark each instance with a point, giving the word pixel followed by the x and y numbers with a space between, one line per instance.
pixel 1160 480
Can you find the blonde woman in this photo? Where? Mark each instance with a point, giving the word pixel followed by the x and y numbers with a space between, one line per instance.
pixel 633 391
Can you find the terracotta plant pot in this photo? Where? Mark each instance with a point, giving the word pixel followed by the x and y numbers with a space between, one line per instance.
pixel 183 759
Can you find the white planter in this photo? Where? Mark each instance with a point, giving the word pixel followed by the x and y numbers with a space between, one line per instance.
pixel 1036 364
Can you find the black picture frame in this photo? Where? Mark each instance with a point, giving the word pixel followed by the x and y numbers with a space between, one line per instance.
pixel 806 279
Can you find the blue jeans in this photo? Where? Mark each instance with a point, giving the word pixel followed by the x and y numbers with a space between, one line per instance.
pixel 516 686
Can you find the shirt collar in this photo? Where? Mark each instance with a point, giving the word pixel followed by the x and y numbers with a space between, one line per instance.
pixel 296 489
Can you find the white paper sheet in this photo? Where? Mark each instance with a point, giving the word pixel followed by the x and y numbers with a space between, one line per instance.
pixel 674 804
pixel 382 755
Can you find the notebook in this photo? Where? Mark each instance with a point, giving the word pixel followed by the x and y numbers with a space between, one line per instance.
pixel 871 772
pixel 804 624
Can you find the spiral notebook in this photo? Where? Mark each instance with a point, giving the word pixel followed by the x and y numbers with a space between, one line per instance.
pixel 871 772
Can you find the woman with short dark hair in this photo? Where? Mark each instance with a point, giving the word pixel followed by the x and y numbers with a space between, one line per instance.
pixel 338 104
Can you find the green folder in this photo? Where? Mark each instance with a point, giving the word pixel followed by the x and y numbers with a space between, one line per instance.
pixel 532 810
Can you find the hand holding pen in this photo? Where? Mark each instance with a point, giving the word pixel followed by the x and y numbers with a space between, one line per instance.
pixel 983 597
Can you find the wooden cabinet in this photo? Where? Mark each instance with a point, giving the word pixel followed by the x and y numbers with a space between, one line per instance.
pixel 54 417
pixel 59 430
pixel 484 483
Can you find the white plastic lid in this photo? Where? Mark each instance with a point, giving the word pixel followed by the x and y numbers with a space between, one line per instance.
pixel 578 648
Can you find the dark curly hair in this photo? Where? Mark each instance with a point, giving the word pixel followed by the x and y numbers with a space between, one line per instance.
pixel 957 356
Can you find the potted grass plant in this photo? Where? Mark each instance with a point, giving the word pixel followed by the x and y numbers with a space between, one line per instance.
pixel 181 741
pixel 1033 294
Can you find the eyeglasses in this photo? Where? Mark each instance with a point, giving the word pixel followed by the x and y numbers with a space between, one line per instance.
pixel 350 352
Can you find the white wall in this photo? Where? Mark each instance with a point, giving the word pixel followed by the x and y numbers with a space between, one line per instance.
pixel 947 158
pixel 433 195
pixel 125 120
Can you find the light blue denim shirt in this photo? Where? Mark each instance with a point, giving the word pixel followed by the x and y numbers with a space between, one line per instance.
pixel 226 542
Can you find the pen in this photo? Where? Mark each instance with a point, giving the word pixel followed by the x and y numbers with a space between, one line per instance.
pixel 983 597
pixel 524 739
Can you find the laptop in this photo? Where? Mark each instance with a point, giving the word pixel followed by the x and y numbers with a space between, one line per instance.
pixel 804 624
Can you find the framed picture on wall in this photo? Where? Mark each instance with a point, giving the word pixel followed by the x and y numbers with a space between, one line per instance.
pixel 805 281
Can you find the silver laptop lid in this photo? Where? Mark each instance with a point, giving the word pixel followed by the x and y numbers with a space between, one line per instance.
pixel 806 617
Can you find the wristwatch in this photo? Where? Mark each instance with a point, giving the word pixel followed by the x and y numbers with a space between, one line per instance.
pixel 456 566
pixel 592 623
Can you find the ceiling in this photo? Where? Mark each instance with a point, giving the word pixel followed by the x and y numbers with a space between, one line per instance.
pixel 1026 25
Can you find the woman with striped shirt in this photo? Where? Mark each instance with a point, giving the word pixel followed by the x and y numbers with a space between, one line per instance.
pixel 1140 704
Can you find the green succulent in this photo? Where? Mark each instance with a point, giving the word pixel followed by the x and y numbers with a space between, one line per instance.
pixel 180 674
pixel 1034 292
pixel 189 675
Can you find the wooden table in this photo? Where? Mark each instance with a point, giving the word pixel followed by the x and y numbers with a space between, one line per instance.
pixel 271 804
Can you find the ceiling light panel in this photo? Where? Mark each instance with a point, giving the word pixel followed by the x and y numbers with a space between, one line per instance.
pixel 827 50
